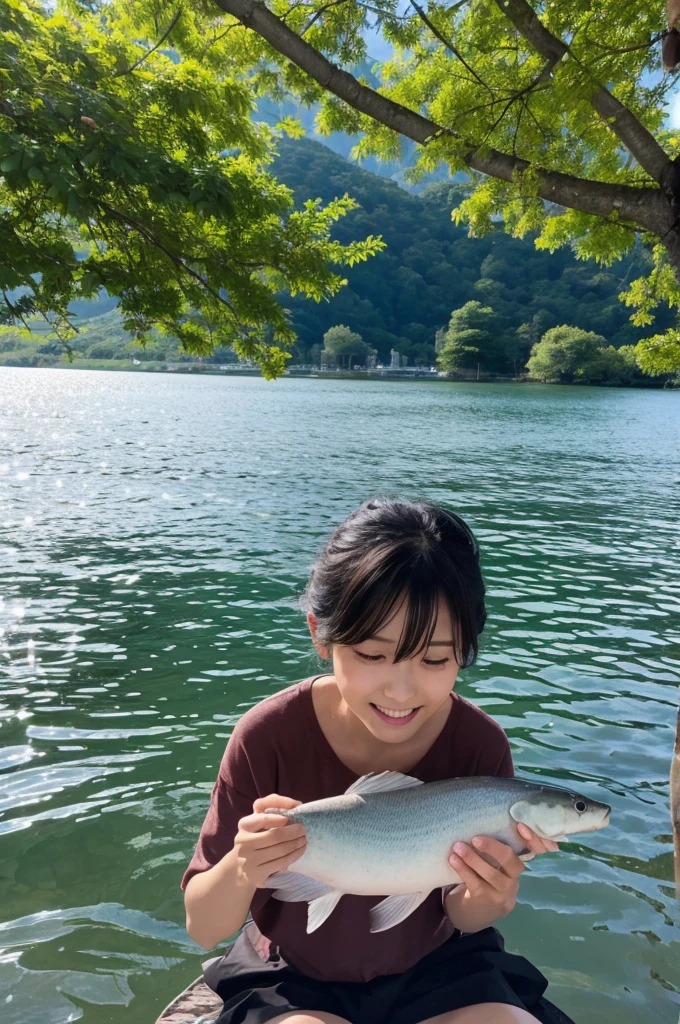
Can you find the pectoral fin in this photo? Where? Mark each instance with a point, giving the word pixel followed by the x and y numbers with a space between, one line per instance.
pixel 394 910
pixel 321 908
pixel 292 887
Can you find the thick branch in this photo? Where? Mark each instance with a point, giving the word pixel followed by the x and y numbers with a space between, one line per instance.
pixel 634 136
pixel 643 206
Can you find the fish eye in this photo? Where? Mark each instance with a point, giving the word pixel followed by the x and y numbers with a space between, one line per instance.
pixel 580 806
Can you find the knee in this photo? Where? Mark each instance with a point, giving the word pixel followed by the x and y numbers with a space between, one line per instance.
pixel 500 1013
pixel 309 1017
pixel 485 1013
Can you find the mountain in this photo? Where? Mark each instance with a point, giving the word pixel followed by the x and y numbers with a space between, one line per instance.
pixel 400 298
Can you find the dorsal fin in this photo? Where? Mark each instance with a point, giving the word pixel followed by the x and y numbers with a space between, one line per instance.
pixel 383 782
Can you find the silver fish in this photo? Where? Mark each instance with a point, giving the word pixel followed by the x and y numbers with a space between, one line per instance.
pixel 392 834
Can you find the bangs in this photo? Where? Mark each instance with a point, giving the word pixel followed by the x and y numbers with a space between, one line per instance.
pixel 390 578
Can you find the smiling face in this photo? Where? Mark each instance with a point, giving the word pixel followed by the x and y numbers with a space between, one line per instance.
pixel 392 699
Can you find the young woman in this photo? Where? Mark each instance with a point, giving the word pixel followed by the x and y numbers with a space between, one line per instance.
pixel 396 601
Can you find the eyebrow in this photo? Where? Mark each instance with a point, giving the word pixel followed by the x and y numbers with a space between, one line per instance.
pixel 433 643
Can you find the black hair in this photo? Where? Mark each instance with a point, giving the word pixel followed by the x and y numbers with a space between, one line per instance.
pixel 390 550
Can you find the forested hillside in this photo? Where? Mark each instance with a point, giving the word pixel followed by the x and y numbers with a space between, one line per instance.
pixel 402 297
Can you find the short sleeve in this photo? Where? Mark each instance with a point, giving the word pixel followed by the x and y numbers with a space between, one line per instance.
pixel 481 744
pixel 496 757
pixel 241 779
pixel 505 768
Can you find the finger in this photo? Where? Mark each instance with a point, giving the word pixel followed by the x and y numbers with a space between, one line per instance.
pixel 272 867
pixel 272 837
pixel 475 885
pixel 496 876
pixel 493 848
pixel 281 851
pixel 269 822
pixel 503 855
pixel 274 800
pixel 536 843
pixel 262 822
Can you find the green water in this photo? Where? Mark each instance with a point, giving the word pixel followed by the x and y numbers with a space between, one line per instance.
pixel 156 533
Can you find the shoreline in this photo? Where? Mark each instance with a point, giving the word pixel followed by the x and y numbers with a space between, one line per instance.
pixel 193 369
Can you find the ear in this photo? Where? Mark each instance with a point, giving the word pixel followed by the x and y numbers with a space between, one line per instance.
pixel 313 624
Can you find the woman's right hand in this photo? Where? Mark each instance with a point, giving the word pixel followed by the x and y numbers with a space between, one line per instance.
pixel 267 843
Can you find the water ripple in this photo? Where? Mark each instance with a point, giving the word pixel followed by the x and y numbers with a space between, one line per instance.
pixel 156 534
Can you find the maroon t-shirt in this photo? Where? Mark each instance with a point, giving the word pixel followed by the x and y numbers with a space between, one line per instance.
pixel 279 747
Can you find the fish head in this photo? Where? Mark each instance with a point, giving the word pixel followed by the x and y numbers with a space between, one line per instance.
pixel 553 813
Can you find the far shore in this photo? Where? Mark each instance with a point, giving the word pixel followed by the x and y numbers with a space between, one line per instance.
pixel 404 374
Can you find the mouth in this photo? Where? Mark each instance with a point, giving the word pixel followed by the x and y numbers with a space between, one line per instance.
pixel 394 716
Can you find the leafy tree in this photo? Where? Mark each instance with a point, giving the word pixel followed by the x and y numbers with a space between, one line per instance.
pixel 341 343
pixel 315 354
pixel 103 350
pixel 553 110
pixel 569 355
pixel 126 169
pixel 472 339
pixel 611 367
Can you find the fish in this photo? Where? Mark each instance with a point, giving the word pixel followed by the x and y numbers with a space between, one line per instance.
pixel 391 835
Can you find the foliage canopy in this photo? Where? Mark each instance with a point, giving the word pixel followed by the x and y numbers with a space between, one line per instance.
pixel 472 332
pixel 569 355
pixel 558 111
pixel 142 174
pixel 340 340
pixel 130 160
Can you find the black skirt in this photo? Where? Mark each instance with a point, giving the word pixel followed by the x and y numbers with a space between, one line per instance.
pixel 464 971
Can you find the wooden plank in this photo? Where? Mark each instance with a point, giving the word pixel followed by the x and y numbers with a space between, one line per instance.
pixel 194 1002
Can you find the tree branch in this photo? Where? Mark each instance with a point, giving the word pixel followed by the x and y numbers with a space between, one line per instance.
pixel 632 133
pixel 449 45
pixel 148 53
pixel 646 207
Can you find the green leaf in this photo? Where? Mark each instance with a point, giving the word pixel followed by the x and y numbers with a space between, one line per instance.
pixel 10 163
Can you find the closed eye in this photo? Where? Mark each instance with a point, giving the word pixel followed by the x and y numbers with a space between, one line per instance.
pixel 380 657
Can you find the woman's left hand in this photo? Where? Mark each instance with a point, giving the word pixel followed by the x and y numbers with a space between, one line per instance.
pixel 490 888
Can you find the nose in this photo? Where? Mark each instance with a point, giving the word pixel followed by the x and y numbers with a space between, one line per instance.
pixel 401 686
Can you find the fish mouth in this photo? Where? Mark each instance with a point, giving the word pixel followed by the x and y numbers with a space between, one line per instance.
pixel 395 716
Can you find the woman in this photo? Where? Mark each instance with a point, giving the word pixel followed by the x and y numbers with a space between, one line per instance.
pixel 396 603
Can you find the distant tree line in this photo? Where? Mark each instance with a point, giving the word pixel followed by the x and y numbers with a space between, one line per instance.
pixel 563 355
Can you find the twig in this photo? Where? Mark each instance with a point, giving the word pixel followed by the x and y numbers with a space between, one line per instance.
pixel 449 45
pixel 149 52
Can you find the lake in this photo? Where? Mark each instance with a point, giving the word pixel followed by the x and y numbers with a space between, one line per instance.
pixel 156 535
